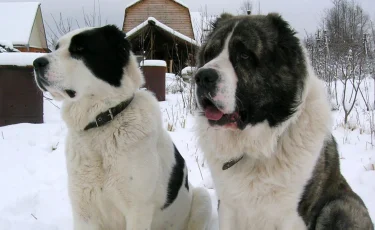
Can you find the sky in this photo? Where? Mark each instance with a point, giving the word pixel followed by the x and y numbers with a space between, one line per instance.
pixel 303 15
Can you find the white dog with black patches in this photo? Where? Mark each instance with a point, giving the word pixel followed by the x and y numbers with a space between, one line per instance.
pixel 265 131
pixel 123 168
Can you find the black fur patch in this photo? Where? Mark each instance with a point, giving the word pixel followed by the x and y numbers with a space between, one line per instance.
pixel 327 197
pixel 187 182
pixel 104 50
pixel 176 179
pixel 269 63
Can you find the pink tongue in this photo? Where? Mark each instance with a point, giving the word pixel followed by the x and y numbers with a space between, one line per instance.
pixel 212 113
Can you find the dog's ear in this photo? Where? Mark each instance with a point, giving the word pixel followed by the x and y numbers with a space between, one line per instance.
pixel 220 20
pixel 116 37
pixel 282 27
pixel 286 42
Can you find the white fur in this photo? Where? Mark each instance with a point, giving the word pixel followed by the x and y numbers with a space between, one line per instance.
pixel 262 190
pixel 119 173
pixel 225 97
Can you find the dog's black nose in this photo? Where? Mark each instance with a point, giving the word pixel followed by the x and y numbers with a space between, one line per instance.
pixel 40 63
pixel 207 78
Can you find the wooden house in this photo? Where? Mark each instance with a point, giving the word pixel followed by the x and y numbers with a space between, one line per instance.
pixel 163 30
pixel 21 24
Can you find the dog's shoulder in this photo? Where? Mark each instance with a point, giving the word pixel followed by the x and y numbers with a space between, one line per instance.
pixel 146 107
pixel 146 99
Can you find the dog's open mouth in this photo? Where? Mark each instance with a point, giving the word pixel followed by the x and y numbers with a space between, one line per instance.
pixel 217 117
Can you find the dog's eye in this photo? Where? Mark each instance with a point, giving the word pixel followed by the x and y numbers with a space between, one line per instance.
pixel 79 48
pixel 244 56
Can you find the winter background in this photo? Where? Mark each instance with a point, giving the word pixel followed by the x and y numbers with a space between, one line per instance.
pixel 341 44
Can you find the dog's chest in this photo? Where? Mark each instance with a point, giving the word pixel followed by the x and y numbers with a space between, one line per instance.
pixel 110 168
pixel 259 203
pixel 97 166
pixel 260 187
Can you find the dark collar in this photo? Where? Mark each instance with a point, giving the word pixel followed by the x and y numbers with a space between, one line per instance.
pixel 107 116
pixel 230 163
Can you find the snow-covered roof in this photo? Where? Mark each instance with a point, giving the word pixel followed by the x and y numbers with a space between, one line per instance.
pixel 163 27
pixel 19 59
pixel 7 46
pixel 136 1
pixel 16 21
pixel 160 63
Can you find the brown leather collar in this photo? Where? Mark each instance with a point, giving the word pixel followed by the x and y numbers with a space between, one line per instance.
pixel 107 116
pixel 230 163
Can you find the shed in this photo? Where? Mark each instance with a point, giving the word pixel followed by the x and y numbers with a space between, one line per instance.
pixel 163 30
pixel 20 99
pixel 21 24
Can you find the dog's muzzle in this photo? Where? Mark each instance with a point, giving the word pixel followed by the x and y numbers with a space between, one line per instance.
pixel 40 68
pixel 206 79
pixel 40 65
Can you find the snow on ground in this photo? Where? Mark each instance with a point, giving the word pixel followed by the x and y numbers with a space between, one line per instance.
pixel 34 181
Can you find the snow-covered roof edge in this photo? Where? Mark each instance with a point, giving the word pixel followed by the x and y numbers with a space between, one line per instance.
pixel 7 44
pixel 136 1
pixel 162 26
pixel 7 47
pixel 19 59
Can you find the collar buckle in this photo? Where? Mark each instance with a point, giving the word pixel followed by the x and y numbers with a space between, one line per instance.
pixel 110 113
pixel 232 162
pixel 102 118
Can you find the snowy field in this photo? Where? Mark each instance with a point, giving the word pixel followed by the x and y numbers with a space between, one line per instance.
pixel 34 180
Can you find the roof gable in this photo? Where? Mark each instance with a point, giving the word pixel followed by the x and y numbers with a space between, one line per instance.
pixel 137 1
pixel 17 20
pixel 162 26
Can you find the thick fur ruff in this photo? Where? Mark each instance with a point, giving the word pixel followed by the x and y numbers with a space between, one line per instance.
pixel 280 122
pixel 126 174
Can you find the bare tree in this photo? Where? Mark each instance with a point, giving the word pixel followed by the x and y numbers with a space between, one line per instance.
pixel 372 48
pixel 339 51
pixel 61 25
pixel 202 24
pixel 246 7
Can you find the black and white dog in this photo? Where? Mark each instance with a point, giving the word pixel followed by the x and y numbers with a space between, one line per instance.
pixel 124 171
pixel 265 130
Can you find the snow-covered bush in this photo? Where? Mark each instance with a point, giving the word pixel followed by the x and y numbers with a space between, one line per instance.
pixel 188 72
pixel 7 46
